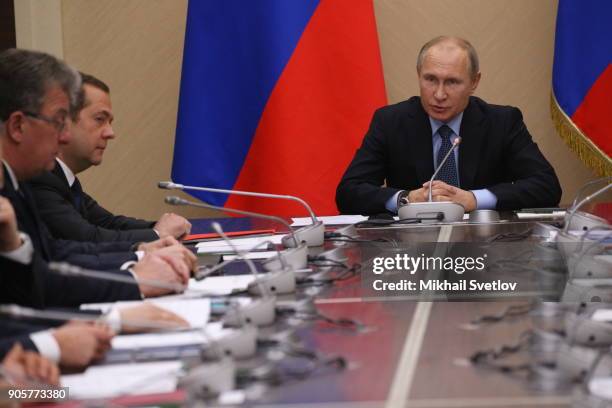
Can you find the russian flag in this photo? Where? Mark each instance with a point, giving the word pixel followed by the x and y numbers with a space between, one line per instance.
pixel 582 80
pixel 275 97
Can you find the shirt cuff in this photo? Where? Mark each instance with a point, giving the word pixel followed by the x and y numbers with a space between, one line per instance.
pixel 485 200
pixel 391 203
pixel 157 232
pixel 113 319
pixel 139 255
pixel 127 265
pixel 24 253
pixel 46 345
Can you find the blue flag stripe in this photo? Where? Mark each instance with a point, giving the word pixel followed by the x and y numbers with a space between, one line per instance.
pixel 582 49
pixel 234 53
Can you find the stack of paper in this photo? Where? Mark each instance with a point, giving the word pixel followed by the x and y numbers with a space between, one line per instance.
pixel 112 381
pixel 241 244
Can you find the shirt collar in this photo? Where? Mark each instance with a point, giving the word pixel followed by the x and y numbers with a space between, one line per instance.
pixel 454 124
pixel 11 176
pixel 70 177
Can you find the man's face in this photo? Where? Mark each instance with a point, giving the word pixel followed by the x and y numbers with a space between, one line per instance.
pixel 445 82
pixel 91 132
pixel 44 132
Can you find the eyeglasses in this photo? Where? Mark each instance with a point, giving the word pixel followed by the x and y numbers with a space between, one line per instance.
pixel 58 123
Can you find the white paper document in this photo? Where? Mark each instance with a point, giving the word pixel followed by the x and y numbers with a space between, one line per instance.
pixel 329 220
pixel 214 331
pixel 252 255
pixel 242 244
pixel 529 215
pixel 116 380
pixel 195 311
pixel 221 285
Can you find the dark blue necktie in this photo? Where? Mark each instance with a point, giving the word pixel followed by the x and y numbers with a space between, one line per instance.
pixel 77 194
pixel 448 172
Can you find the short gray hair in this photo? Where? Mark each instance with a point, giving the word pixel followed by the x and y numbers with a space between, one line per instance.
pixel 25 77
pixel 465 45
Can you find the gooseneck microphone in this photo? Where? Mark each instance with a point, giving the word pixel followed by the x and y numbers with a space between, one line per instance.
pixel 590 220
pixel 450 151
pixel 169 185
pixel 174 200
pixel 63 268
pixel 430 211
pixel 313 234
pixel 67 269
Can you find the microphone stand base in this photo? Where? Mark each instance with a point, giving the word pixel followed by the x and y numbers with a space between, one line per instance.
pixel 428 212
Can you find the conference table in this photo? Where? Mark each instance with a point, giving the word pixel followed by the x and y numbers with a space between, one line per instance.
pixel 406 349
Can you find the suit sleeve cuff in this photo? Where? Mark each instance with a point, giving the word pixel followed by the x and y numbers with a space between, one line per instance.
pixel 391 204
pixel 46 345
pixel 485 200
pixel 24 253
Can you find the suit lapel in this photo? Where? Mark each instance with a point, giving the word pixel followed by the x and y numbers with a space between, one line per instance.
pixel 67 190
pixel 27 215
pixel 421 143
pixel 473 134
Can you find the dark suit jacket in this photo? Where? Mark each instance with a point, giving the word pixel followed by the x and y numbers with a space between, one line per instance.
pixel 88 222
pixel 100 256
pixel 12 332
pixel 496 153
pixel 34 285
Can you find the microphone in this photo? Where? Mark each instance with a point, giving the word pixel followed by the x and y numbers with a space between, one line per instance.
pixel 20 312
pixel 280 282
pixel 313 234
pixel 289 241
pixel 67 269
pixel 296 255
pixel 585 221
pixel 452 149
pixel 568 243
pixel 261 312
pixel 430 211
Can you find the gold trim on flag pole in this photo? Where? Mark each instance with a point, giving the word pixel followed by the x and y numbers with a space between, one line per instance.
pixel 587 151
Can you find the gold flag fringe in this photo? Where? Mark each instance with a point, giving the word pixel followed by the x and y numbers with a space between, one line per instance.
pixel 591 155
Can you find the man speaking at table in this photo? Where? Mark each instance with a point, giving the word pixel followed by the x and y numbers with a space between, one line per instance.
pixel 496 166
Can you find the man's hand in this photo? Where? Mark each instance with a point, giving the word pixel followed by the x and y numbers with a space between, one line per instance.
pixel 9 236
pixel 162 268
pixel 24 366
pixel 158 244
pixel 148 312
pixel 80 344
pixel 172 225
pixel 182 259
pixel 441 191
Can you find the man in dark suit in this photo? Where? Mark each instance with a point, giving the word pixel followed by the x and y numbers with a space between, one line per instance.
pixel 37 94
pixel 496 166
pixel 68 211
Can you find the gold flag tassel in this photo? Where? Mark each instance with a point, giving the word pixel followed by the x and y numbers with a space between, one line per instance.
pixel 591 155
